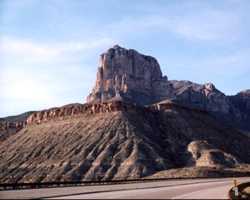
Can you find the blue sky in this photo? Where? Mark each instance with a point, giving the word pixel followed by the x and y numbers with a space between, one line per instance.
pixel 49 49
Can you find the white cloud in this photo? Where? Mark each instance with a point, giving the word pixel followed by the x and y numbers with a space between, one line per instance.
pixel 32 51
pixel 205 25
pixel 24 89
pixel 213 68
pixel 209 25
pixel 22 85
pixel 234 64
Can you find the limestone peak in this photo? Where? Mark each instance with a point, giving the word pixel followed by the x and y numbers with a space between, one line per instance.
pixel 134 76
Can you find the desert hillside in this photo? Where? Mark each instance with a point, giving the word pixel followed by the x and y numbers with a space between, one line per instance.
pixel 117 140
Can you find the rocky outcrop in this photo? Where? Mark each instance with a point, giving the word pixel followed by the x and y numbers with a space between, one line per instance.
pixel 205 155
pixel 72 110
pixel 114 105
pixel 55 113
pixel 128 75
pixel 13 124
pixel 9 128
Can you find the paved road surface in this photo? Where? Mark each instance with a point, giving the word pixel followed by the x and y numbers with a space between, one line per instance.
pixel 171 189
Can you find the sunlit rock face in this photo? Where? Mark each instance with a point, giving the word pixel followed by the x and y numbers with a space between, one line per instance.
pixel 129 75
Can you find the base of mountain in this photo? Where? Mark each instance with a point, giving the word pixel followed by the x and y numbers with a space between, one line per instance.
pixel 204 172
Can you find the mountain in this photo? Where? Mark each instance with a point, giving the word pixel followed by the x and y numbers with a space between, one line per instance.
pixel 136 123
pixel 137 78
pixel 129 75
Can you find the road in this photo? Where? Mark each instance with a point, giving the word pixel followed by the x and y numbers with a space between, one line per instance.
pixel 170 189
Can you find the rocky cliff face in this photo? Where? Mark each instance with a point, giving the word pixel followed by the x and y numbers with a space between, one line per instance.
pixel 73 110
pixel 128 75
